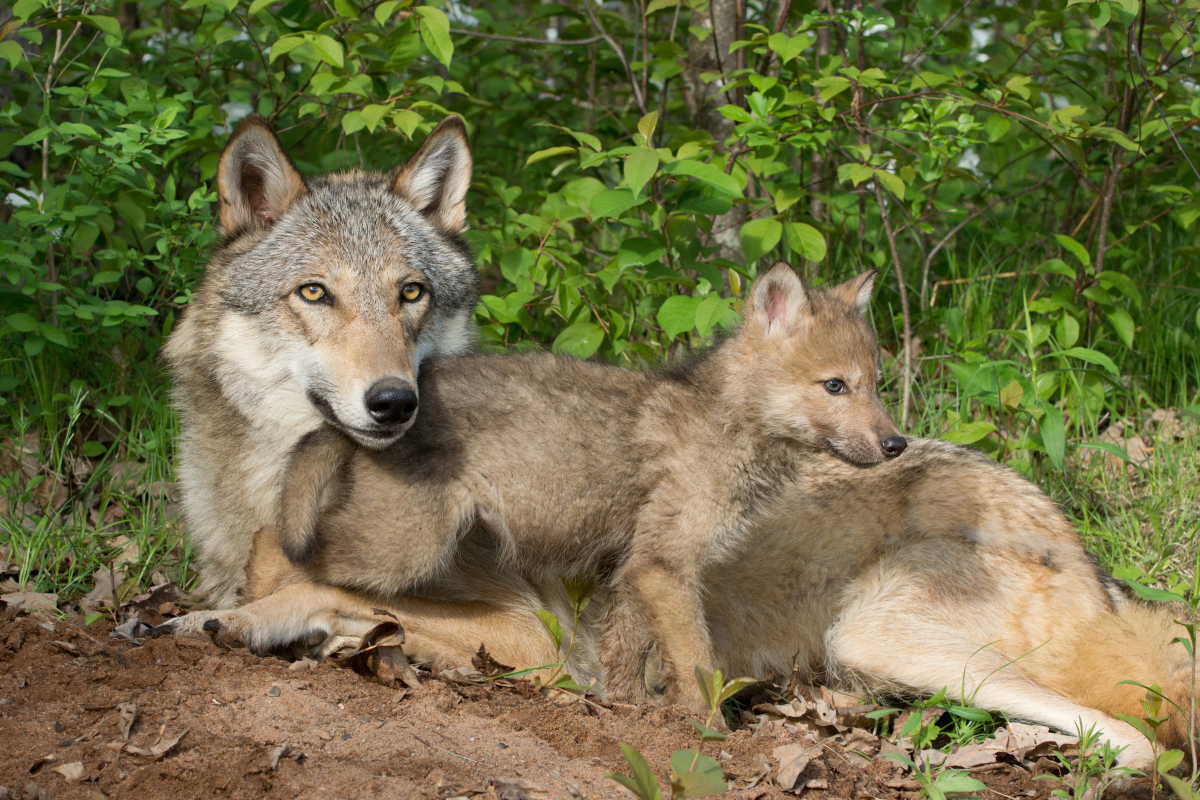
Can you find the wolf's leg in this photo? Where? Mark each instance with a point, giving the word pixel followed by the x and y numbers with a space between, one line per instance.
pixel 445 633
pixel 624 649
pixel 669 595
pixel 313 464
pixel 896 630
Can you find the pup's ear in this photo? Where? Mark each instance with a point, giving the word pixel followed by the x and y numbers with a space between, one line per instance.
pixel 858 290
pixel 436 179
pixel 777 298
pixel 256 182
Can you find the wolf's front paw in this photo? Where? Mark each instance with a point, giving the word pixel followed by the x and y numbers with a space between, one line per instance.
pixel 198 625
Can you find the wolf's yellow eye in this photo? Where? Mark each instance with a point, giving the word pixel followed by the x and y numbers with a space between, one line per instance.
pixel 412 292
pixel 312 292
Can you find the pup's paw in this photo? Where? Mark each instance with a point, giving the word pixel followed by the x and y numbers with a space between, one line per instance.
pixel 200 625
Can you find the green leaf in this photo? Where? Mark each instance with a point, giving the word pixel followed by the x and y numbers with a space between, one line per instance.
pixel 579 592
pixel 1017 85
pixel 928 80
pixel 373 113
pixel 831 87
pixel 384 11
pixel 644 784
pixel 612 203
pixel 353 122
pixel 970 713
pixel 856 173
pixel 435 33
pixel 678 315
pixel 1054 437
pixel 893 183
pixel 659 5
pixel 32 138
pixel 640 166
pixel 24 9
pixel 107 24
pixel 788 47
pixel 549 152
pixel 327 49
pixel 1181 788
pixel 706 733
pixel 1153 594
pixel 407 121
pixel 1123 324
pixel 284 44
pixel 647 124
pixel 1075 247
pixel 970 432
pixel 1056 266
pixel 996 126
pixel 957 781
pixel 1138 723
pixel 704 780
pixel 551 624
pixel 259 5
pixel 1168 761
pixel 705 172
pixel 759 237
pixel 1091 357
pixel 581 340
pixel 710 312
pixel 12 52
pixel 733 687
pixel 805 240
pixel 22 323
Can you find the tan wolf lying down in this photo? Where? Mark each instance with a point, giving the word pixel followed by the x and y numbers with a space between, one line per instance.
pixel 938 569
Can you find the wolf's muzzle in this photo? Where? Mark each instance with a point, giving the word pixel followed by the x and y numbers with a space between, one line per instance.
pixel 391 402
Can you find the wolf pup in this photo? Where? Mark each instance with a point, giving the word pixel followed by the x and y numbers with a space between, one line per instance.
pixel 318 308
pixel 572 466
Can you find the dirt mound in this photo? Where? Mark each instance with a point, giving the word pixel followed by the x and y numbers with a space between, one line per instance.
pixel 259 727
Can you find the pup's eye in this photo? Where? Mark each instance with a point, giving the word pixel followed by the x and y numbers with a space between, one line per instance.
pixel 412 292
pixel 835 386
pixel 312 292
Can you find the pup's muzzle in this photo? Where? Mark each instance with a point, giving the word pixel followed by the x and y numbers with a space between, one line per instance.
pixel 391 402
pixel 893 446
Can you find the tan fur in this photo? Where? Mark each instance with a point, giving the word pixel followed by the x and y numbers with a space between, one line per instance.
pixel 938 570
pixel 509 443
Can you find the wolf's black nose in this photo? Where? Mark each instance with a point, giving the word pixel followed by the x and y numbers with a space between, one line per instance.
pixel 893 446
pixel 389 402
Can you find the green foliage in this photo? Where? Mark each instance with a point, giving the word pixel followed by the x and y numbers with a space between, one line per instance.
pixel 1093 771
pixel 936 785
pixel 693 774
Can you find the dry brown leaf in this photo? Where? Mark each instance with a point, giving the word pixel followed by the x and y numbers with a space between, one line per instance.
pixel 793 758
pixel 126 716
pixel 29 602
pixel 72 772
pixel 379 655
pixel 285 751
pixel 762 769
pixel 157 750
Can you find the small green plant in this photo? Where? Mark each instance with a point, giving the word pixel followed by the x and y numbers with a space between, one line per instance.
pixel 936 785
pixel 693 774
pixel 579 594
pixel 1096 761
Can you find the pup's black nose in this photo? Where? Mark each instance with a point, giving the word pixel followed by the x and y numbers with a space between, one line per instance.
pixel 893 446
pixel 390 402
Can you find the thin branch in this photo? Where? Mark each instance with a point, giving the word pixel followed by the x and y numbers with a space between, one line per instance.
pixel 779 21
pixel 906 385
pixel 937 33
pixel 633 81
pixel 526 40
pixel 1146 83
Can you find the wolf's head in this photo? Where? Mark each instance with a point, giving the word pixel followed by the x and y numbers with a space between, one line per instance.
pixel 810 364
pixel 327 295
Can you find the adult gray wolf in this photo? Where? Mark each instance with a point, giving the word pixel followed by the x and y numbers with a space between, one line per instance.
pixel 643 478
pixel 317 308
pixel 941 569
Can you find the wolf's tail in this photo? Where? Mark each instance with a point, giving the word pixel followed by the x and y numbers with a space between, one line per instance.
pixel 1136 642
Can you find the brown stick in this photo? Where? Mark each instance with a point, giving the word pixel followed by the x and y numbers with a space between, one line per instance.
pixel 526 40
pixel 906 385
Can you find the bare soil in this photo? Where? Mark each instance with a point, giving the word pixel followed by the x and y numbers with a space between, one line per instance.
pixel 349 737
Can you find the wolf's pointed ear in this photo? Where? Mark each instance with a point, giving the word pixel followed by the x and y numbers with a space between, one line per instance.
pixel 436 179
pixel 256 182
pixel 858 290
pixel 777 298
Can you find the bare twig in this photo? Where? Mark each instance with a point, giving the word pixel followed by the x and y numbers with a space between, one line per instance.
pixel 527 40
pixel 917 58
pixel 779 21
pixel 638 98
pixel 906 385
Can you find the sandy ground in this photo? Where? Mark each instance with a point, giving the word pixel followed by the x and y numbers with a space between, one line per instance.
pixel 333 733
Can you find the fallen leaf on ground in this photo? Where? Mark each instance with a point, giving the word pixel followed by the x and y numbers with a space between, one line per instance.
pixel 126 716
pixel 793 758
pixel 380 655
pixel 29 602
pixel 156 751
pixel 72 772
pixel 285 751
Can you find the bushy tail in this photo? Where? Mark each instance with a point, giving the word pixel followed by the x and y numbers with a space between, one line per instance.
pixel 1136 643
pixel 314 462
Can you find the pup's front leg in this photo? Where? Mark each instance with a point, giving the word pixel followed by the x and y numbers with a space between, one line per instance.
pixel 669 596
